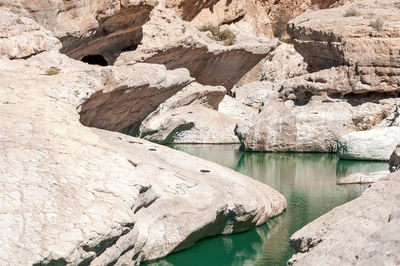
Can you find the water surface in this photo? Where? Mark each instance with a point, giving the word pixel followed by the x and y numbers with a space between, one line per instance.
pixel 307 180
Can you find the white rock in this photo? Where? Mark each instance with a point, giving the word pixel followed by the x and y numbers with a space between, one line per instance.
pixel 374 144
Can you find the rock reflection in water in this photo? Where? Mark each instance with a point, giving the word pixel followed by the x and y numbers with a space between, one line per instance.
pixel 307 180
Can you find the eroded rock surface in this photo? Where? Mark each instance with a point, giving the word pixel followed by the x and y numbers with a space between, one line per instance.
pixel 97 27
pixel 354 85
pixel 81 195
pixel 361 232
pixel 374 144
pixel 284 126
pixel 170 41
pixel 191 116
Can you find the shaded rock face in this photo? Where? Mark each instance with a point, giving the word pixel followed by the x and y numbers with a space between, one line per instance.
pixel 99 27
pixel 225 68
pixel 361 232
pixel 130 94
pixel 394 160
pixel 78 195
pixel 170 41
pixel 374 144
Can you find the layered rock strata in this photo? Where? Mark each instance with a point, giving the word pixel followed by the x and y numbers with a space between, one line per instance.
pixel 353 86
pixel 170 41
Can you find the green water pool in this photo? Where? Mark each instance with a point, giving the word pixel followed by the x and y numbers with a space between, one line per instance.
pixel 307 180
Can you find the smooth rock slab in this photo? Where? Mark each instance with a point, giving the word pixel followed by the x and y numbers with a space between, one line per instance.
pixel 364 231
pixel 374 144
pixel 360 178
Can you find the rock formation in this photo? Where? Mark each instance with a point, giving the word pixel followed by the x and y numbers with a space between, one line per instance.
pixel 353 86
pixel 394 160
pixel 361 232
pixel 374 144
pixel 100 27
pixel 190 116
pixel 85 196
pixel 170 41
pixel 360 178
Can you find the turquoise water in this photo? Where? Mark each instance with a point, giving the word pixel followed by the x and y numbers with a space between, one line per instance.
pixel 307 180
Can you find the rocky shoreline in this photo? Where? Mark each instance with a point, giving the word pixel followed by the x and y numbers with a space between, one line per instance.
pixel 85 87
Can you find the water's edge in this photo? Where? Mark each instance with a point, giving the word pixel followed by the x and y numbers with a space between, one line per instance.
pixel 307 180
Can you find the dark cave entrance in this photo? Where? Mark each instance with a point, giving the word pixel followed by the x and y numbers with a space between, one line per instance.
pixel 96 59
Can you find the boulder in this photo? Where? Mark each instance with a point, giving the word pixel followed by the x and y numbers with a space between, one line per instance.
pixel 374 144
pixel 360 178
pixel 190 116
pixel 193 124
pixel 316 126
pixel 394 160
pixel 364 231
pixel 282 63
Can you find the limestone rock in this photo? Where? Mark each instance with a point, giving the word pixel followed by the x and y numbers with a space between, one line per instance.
pixel 282 63
pixel 190 116
pixel 364 231
pixel 254 93
pixel 235 108
pixel 374 144
pixel 316 126
pixel 394 160
pixel 177 44
pixel 20 37
pixel 190 124
pixel 360 178
pixel 393 119
pixel 133 92
pixel 89 28
pixel 78 195
pixel 328 38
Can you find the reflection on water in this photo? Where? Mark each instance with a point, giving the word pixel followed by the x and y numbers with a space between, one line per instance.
pixel 307 180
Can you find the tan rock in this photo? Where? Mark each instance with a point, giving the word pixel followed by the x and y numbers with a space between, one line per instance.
pixel 282 63
pixel 170 41
pixel 190 116
pixel 328 38
pixel 101 27
pixel 21 37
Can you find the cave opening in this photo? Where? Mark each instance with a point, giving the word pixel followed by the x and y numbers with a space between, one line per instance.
pixel 96 59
